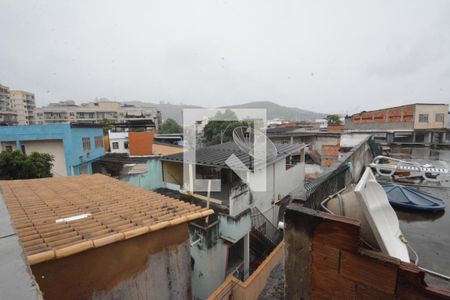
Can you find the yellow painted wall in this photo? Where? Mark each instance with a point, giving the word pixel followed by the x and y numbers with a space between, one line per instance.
pixel 173 172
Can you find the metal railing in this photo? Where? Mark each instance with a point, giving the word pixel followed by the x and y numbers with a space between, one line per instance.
pixel 262 225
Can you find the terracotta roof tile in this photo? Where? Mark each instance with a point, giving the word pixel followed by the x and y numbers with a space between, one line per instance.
pixel 117 211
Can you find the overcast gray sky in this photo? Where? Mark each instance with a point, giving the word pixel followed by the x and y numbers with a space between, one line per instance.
pixel 325 56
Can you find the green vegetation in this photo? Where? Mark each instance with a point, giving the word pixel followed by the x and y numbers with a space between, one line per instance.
pixel 170 126
pixel 334 120
pixel 217 131
pixel 16 165
pixel 107 125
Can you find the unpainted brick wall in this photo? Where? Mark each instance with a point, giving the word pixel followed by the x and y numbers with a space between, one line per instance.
pixel 340 269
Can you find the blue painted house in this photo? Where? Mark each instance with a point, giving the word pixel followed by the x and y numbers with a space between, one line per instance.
pixel 74 146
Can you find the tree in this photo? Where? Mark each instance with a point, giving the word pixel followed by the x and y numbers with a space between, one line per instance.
pixel 170 126
pixel 107 125
pixel 17 165
pixel 334 120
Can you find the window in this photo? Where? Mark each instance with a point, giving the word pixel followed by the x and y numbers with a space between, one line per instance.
pixel 86 144
pixel 125 145
pixel 22 147
pixel 98 142
pixel 8 147
pixel 439 117
pixel 115 145
pixel 423 118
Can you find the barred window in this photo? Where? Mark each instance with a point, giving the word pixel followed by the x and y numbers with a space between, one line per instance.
pixel 423 118
pixel 86 144
pixel 439 117
pixel 98 142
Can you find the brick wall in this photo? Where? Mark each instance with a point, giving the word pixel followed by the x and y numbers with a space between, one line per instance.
pixel 388 115
pixel 324 260
pixel 335 128
pixel 330 154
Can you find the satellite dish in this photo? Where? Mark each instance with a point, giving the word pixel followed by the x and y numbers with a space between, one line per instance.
pixel 252 141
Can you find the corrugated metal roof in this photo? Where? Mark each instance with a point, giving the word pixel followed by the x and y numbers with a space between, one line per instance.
pixel 216 155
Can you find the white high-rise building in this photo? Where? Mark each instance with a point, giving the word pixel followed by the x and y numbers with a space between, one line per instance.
pixel 23 103
pixel 7 115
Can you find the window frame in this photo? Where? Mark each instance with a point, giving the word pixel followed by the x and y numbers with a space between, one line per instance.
pixel 98 142
pixel 442 117
pixel 423 118
pixel 115 145
pixel 86 142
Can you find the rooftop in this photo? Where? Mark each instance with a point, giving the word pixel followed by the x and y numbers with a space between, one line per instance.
pixel 61 216
pixel 216 155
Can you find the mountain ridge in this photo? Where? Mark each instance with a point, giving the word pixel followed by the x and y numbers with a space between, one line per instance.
pixel 274 110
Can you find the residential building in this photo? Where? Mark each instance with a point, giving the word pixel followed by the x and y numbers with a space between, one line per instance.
pixel 170 138
pixel 95 112
pixel 134 138
pixel 415 123
pixel 246 223
pixel 94 237
pixel 23 103
pixel 73 146
pixel 7 115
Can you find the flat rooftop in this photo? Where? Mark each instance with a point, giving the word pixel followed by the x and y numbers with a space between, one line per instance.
pixel 61 216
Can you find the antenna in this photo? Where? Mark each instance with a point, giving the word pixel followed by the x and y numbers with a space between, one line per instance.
pixel 252 141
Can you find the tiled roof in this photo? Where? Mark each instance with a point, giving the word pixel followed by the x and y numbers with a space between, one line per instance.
pixel 216 155
pixel 115 211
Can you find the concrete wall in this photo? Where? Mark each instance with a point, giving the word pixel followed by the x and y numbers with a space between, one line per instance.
pixel 53 147
pixel 280 182
pixel 349 140
pixel 152 266
pixel 431 111
pixel 120 138
pixel 235 228
pixel 150 180
pixel 210 259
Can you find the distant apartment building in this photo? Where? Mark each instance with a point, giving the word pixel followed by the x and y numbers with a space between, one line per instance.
pixel 426 121
pixel 73 146
pixel 23 104
pixel 95 112
pixel 7 115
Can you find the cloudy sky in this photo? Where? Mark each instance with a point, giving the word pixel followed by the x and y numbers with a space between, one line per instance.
pixel 325 56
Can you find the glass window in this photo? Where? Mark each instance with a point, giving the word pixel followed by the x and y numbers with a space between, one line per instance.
pixel 115 145
pixel 125 145
pixel 439 117
pixel 86 144
pixel 423 118
pixel 98 142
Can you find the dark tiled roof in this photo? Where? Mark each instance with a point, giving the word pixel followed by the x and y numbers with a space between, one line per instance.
pixel 215 156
